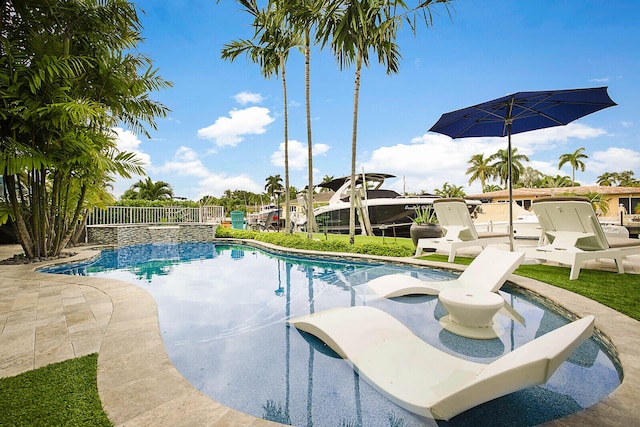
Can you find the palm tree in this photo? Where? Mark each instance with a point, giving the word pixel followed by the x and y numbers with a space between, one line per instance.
pixel 557 181
pixel 607 179
pixel 491 187
pixel 273 184
pixel 355 28
pixel 274 40
pixel 149 190
pixel 575 161
pixel 530 178
pixel 501 165
pixel 78 78
pixel 303 16
pixel 599 202
pixel 326 179
pixel 450 190
pixel 480 170
pixel 626 179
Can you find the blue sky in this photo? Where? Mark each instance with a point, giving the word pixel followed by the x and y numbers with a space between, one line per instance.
pixel 225 130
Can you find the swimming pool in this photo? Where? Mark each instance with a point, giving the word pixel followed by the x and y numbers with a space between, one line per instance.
pixel 222 312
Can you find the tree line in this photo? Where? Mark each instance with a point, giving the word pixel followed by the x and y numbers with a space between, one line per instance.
pixel 484 169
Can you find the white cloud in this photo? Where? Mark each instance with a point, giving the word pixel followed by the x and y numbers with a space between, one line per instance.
pixel 216 184
pixel 185 162
pixel 430 161
pixel 433 159
pixel 229 131
pixel 128 141
pixel 549 138
pixel 245 98
pixel 298 154
pixel 613 159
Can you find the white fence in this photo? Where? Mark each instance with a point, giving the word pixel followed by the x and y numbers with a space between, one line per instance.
pixel 113 215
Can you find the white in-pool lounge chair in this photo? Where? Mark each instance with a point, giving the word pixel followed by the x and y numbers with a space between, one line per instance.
pixel 453 215
pixel 487 272
pixel 574 235
pixel 425 380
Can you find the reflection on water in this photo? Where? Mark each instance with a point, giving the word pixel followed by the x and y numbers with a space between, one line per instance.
pixel 223 311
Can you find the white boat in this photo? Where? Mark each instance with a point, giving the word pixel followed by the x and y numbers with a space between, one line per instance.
pixel 388 212
pixel 266 215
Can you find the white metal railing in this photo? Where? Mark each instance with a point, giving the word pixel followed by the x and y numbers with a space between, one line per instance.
pixel 113 215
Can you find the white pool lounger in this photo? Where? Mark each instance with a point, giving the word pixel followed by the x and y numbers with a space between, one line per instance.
pixel 425 380
pixel 488 271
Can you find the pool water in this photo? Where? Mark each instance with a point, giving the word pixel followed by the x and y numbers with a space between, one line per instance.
pixel 223 311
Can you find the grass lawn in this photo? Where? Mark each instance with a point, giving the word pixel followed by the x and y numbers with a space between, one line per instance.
pixel 66 393
pixel 60 394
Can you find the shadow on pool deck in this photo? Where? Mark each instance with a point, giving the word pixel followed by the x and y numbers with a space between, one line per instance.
pixel 47 318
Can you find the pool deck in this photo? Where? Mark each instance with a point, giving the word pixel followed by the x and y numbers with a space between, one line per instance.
pixel 47 318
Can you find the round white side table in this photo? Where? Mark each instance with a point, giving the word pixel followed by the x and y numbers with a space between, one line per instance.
pixel 471 312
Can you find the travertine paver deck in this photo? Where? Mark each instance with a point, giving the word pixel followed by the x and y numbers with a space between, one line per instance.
pixel 47 318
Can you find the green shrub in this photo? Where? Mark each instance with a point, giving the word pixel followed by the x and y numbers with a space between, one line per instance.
pixel 298 241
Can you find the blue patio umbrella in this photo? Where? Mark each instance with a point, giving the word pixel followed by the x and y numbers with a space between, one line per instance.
pixel 522 112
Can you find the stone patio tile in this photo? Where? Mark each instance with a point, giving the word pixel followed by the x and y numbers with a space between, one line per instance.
pixel 132 366
pixel 133 398
pixel 16 364
pixel 51 331
pixel 25 301
pixel 56 351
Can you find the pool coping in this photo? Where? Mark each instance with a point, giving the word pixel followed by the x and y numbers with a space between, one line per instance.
pixel 138 384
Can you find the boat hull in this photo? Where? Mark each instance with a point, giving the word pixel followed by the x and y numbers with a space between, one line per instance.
pixel 387 219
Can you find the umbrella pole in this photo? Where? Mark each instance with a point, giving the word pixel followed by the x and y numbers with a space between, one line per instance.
pixel 510 179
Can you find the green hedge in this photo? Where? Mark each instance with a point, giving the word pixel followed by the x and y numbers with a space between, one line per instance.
pixel 297 241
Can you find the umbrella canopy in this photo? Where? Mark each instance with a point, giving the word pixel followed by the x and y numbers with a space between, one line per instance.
pixel 522 112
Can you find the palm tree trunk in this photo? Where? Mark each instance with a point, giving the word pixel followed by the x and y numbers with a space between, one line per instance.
pixel 287 198
pixel 354 139
pixel 70 228
pixel 23 233
pixel 311 221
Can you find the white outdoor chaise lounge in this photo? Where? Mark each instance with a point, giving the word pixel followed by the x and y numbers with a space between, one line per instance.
pixel 574 235
pixel 425 380
pixel 453 215
pixel 488 271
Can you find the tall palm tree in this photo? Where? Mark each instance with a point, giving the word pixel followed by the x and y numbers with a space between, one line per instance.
pixel 303 16
pixel 355 28
pixel 480 170
pixel 575 161
pixel 501 165
pixel 273 41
